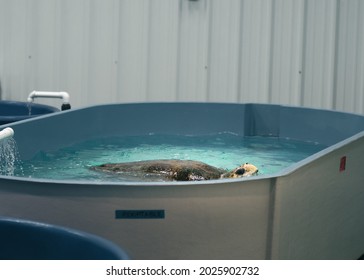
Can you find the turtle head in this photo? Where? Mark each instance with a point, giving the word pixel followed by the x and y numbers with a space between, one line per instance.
pixel 245 170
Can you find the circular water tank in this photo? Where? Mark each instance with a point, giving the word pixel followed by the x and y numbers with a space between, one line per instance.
pixel 28 240
pixel 12 111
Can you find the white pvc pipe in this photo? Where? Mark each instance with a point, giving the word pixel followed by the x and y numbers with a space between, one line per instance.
pixel 6 133
pixel 49 94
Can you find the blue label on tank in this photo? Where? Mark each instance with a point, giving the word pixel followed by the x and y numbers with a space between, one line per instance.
pixel 139 214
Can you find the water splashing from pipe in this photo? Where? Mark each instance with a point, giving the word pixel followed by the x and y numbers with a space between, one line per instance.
pixel 29 106
pixel 9 155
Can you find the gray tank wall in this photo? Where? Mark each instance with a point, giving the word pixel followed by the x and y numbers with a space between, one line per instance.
pixel 64 128
pixel 323 126
pixel 219 220
pixel 319 209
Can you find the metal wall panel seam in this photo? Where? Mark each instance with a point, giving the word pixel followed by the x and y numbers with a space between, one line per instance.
pixel 272 38
pixel 336 62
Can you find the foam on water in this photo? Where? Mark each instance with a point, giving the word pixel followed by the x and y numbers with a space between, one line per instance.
pixel 222 150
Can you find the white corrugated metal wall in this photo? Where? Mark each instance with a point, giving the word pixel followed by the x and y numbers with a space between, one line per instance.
pixel 298 52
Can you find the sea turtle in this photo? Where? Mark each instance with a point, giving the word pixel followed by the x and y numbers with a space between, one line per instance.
pixel 175 170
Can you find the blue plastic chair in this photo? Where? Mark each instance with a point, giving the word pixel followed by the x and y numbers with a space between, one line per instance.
pixel 28 240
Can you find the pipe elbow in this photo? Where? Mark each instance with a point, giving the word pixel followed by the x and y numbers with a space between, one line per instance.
pixel 6 133
pixel 65 97
pixel 31 96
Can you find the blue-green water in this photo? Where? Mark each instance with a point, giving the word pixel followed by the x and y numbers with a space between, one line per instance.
pixel 224 150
